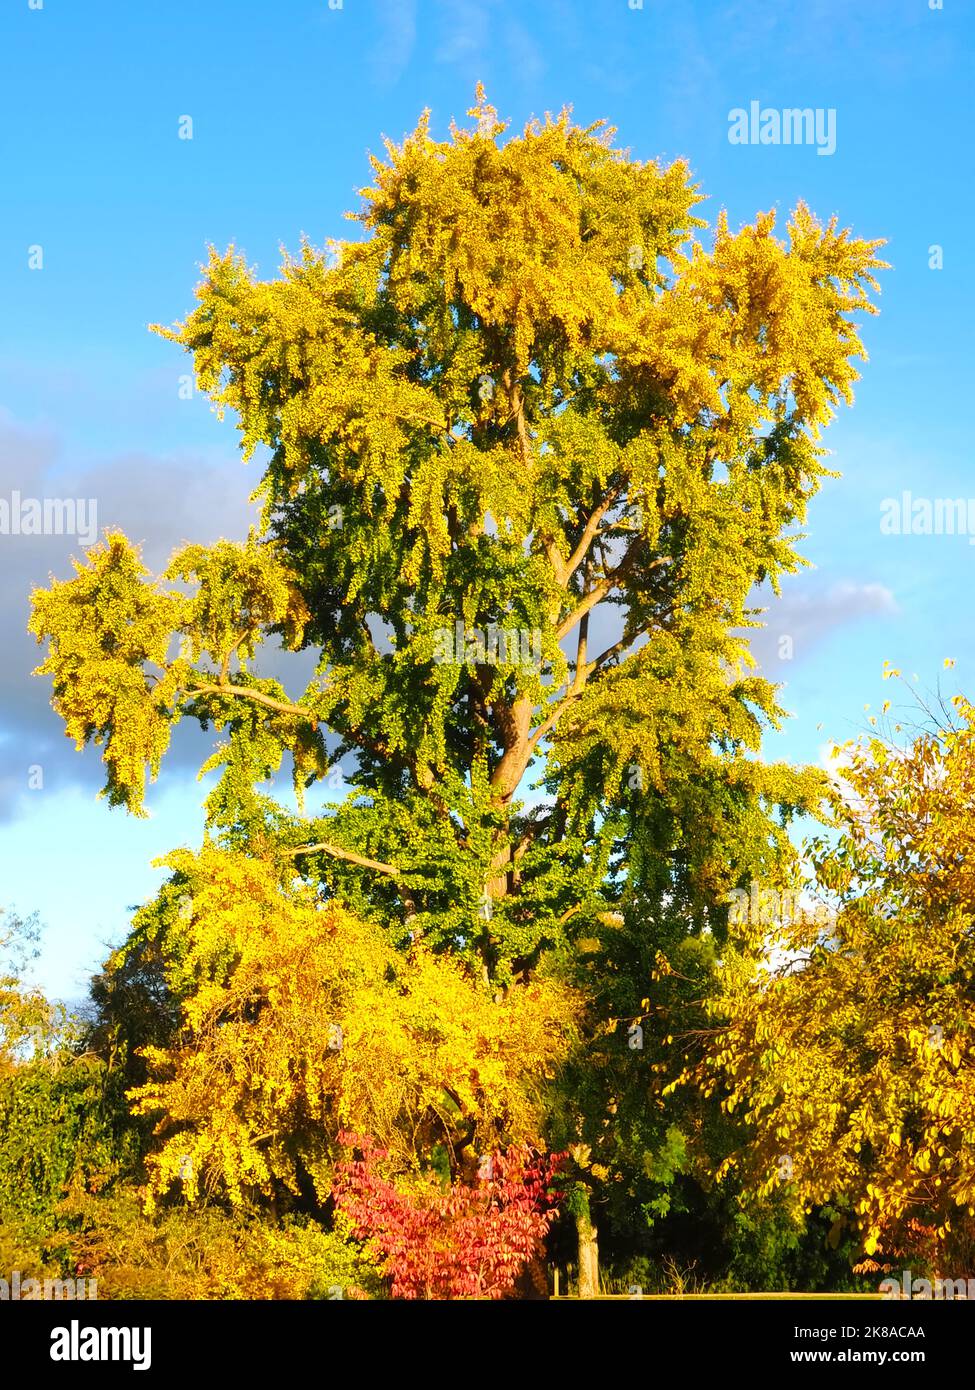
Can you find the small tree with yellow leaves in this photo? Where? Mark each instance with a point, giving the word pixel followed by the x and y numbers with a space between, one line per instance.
pixel 849 1050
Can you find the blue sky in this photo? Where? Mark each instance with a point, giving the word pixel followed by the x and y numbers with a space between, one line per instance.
pixel 286 100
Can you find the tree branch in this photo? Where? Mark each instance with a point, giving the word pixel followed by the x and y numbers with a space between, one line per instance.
pixel 336 851
pixel 549 723
pixel 617 647
pixel 589 531
pixel 556 561
pixel 516 403
pixel 582 649
pixel 601 588
pixel 243 692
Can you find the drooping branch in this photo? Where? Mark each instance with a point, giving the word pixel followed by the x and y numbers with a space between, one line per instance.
pixel 423 773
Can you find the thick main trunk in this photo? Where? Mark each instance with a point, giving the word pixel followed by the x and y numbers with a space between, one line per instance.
pixel 588 1255
pixel 513 723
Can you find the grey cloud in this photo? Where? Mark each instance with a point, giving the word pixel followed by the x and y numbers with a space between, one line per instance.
pixel 805 614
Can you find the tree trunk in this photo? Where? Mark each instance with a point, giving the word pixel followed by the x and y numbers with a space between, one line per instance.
pixel 588 1254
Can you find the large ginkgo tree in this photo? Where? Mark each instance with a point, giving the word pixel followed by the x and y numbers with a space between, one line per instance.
pixel 530 440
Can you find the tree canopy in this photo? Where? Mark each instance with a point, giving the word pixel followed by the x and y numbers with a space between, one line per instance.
pixel 529 443
pixel 526 394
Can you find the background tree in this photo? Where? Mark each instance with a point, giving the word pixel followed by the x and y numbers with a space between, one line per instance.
pixel 848 1048
pixel 30 1025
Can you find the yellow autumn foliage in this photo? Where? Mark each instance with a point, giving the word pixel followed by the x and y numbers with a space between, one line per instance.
pixel 850 1048
pixel 298 1020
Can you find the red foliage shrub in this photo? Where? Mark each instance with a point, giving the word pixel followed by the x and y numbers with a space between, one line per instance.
pixel 468 1240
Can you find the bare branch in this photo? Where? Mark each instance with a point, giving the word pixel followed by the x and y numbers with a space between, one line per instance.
pixel 336 851
pixel 243 692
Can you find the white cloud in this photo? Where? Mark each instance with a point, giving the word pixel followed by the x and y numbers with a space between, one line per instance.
pixel 804 617
pixel 466 31
pixel 391 57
